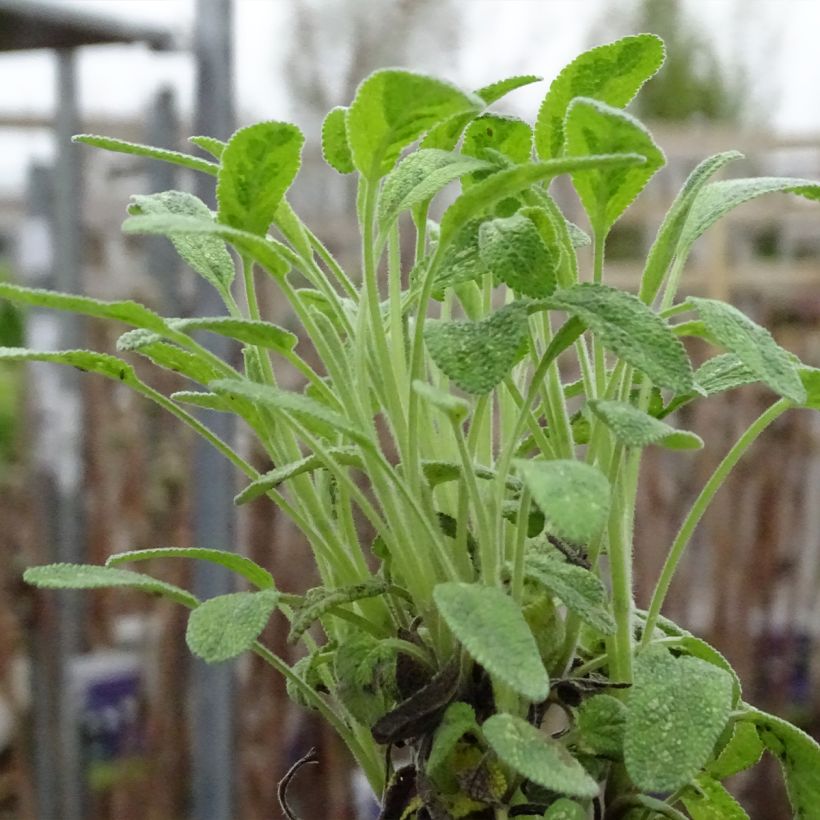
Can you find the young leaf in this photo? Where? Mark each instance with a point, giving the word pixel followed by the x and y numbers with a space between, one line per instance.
pixel 718 198
pixel 564 809
pixel 131 313
pixel 634 428
pixel 601 722
pixel 457 720
pixel 440 472
pixel 666 242
pixel 741 752
pixel 169 356
pixel 677 709
pixel 393 108
pixel 88 360
pixel 347 456
pixel 478 355
pixel 723 372
pixel 513 251
pixel 537 757
pixel 580 590
pixel 495 91
pixel 87 576
pixel 799 757
pixel 212 145
pixel 490 626
pixel 419 177
pixel 232 561
pixel 123 147
pixel 259 164
pixel 335 148
pixel 247 331
pixel 264 250
pixel 221 628
pixel 205 253
pixel 365 670
pixel 611 73
pixel 509 136
pixel 754 346
pixel 628 328
pixel 319 601
pixel 455 408
pixel 573 496
pixel 315 416
pixel 706 799
pixel 595 128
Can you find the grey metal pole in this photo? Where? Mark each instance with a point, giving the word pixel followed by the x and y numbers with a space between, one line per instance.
pixel 213 687
pixel 70 545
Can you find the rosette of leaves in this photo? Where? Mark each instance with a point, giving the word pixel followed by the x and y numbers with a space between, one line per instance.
pixel 479 628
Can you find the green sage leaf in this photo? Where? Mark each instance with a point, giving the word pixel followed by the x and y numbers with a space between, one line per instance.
pixel 247 331
pixel 335 147
pixel 510 136
pixel 478 355
pixel 754 346
pixel 611 73
pixel 221 628
pixel 211 145
pixel 723 372
pixel 537 757
pixel 208 401
pixel 490 626
pixel 628 328
pixel 461 261
pixel 87 576
pixel 453 407
pixel 495 91
pixel 259 164
pixel 593 127
pixel 169 356
pixel 564 809
pixel 458 719
pixel 393 108
pixel 573 496
pixel 365 671
pixel 87 360
pixel 741 752
pixel 634 428
pixel 677 709
pixel 601 722
pixel 706 799
pixel 249 570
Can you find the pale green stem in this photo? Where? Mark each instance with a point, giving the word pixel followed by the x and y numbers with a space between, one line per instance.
pixel 699 508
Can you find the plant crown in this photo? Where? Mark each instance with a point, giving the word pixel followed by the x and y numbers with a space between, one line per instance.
pixel 459 492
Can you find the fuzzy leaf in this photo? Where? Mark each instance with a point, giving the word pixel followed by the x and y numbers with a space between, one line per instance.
pixel 666 242
pixel 440 472
pixel 131 313
pixel 393 108
pixel 495 91
pixel 264 250
pixel 718 198
pixel 741 752
pixel 455 408
pixel 510 136
pixel 366 673
pixel 513 251
pixel 628 328
pixel 208 401
pixel 259 164
pixel 580 590
pixel 810 377
pixel 123 147
pixel 213 146
pixel 273 478
pixel 723 372
pixel 677 709
pixel 573 496
pixel 457 720
pixel 320 600
pixel 478 355
pixel 205 253
pixel 419 177
pixel 595 128
pixel 87 576
pixel 799 757
pixel 314 416
pixel 611 73
pixel 248 331
pixel 601 722
pixel 335 148
pixel 480 197
pixel 87 360
pixel 564 809
pixel 490 626
pixel 170 356
pixel 698 648
pixel 232 561
pixel 754 346
pixel 634 428
pixel 537 757
pixel 706 799
pixel 461 261
pixel 226 626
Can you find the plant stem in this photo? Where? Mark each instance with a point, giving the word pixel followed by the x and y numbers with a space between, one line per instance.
pixel 700 506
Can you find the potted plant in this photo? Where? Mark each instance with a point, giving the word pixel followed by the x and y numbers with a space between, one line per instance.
pixel 487 625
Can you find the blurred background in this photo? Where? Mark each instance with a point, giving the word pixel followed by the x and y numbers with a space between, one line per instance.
pixel 103 714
